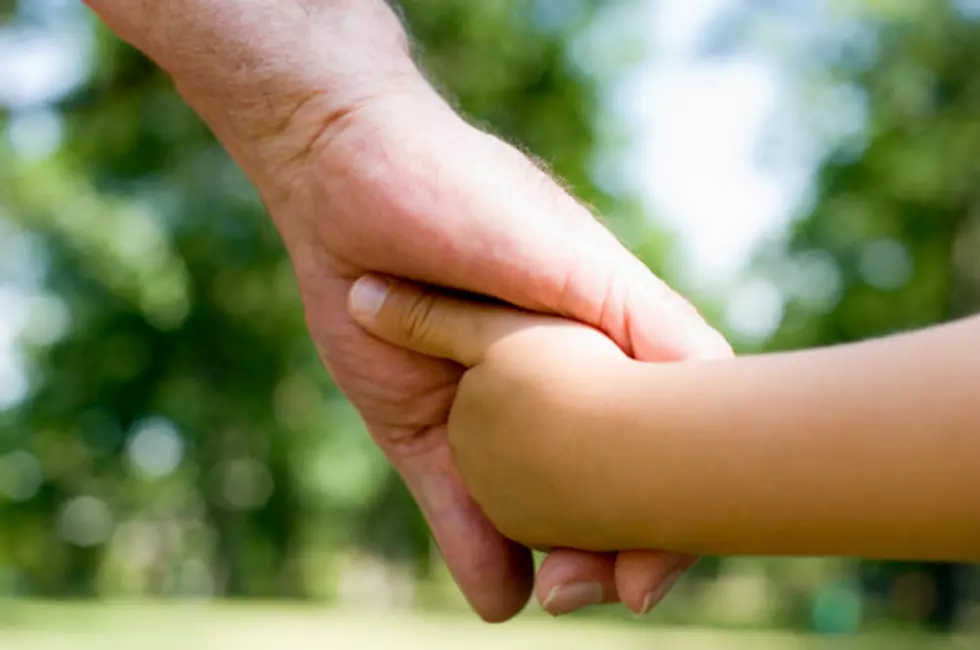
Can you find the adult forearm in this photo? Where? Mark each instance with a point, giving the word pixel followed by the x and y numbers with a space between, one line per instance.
pixel 866 450
pixel 254 69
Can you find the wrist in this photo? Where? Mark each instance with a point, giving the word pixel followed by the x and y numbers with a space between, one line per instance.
pixel 662 497
pixel 270 77
pixel 273 104
pixel 615 464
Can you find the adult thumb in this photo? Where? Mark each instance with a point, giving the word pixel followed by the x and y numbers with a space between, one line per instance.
pixel 430 322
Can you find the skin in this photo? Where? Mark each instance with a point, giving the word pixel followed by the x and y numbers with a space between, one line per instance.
pixel 866 450
pixel 364 168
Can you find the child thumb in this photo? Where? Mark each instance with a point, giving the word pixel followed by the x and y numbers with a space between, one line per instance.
pixel 426 321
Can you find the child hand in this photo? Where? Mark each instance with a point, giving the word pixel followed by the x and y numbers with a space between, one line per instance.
pixel 526 414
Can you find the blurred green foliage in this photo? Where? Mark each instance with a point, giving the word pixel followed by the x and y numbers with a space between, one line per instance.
pixel 177 434
pixel 891 239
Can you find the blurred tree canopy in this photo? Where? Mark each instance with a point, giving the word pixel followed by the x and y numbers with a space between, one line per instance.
pixel 891 239
pixel 177 433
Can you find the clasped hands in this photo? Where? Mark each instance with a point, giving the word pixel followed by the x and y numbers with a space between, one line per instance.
pixel 366 170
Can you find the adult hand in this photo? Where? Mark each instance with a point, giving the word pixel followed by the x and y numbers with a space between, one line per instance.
pixel 364 168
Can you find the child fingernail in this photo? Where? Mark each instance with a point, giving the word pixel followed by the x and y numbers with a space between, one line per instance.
pixel 367 297
pixel 565 599
pixel 655 595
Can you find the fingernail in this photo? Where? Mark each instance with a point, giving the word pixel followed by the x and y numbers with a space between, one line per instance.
pixel 565 599
pixel 367 296
pixel 655 595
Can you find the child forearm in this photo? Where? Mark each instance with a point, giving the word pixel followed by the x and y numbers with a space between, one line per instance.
pixel 868 450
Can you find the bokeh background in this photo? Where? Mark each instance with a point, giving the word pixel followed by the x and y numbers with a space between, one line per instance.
pixel 175 464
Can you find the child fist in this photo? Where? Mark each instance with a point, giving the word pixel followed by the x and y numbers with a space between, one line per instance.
pixel 526 412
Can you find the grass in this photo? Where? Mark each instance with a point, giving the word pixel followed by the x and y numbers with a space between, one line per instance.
pixel 45 626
